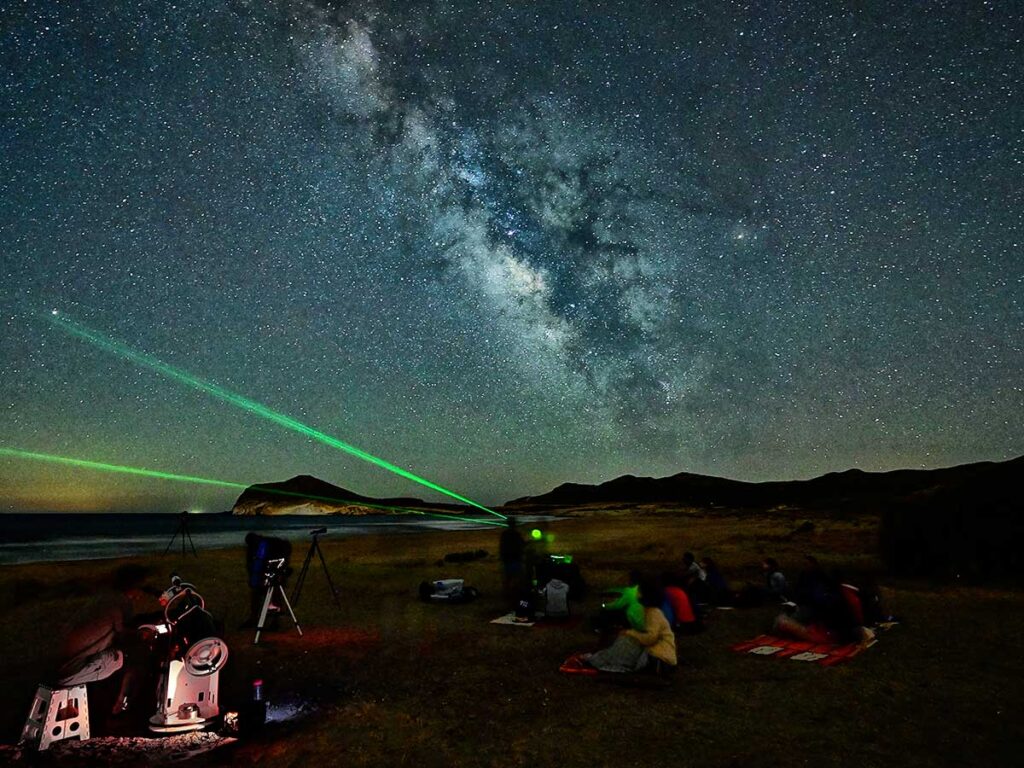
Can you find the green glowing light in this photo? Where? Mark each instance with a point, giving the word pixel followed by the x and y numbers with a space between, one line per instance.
pixel 537 534
pixel 122 350
pixel 138 471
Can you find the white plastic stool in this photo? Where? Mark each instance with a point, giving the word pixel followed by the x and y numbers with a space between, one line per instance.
pixel 57 714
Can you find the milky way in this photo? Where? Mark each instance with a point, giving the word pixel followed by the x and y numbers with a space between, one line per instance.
pixel 509 245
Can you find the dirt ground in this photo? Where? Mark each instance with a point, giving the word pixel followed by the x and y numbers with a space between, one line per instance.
pixel 388 680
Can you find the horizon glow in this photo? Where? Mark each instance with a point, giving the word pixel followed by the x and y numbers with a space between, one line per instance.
pixel 160 475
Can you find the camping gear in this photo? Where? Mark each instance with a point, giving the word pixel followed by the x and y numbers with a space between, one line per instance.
pixel 556 599
pixel 254 716
pixel 187 693
pixel 57 714
pixel 62 711
pixel 563 568
pixel 526 607
pixel 447 591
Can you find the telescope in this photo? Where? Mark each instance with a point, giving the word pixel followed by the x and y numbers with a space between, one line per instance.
pixel 314 547
pixel 274 571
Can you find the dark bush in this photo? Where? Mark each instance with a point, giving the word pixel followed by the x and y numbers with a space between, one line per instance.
pixel 972 531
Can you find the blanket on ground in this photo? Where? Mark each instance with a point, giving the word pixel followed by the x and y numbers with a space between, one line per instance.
pixel 576 665
pixel 541 621
pixel 825 654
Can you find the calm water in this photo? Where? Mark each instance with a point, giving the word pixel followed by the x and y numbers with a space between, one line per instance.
pixel 56 536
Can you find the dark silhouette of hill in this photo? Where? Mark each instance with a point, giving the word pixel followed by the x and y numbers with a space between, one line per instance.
pixel 836 489
pixel 310 495
pixel 969 529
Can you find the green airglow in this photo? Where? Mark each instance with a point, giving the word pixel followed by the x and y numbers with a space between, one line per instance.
pixel 122 350
pixel 138 471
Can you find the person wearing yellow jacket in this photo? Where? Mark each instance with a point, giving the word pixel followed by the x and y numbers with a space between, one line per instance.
pixel 634 649
pixel 657 639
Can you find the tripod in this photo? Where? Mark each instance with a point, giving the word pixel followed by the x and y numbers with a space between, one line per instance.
pixel 273 582
pixel 182 531
pixel 300 580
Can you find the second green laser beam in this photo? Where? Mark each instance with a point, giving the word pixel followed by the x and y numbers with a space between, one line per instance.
pixel 111 345
pixel 119 468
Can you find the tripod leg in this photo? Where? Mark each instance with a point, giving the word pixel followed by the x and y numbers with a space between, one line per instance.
pixel 190 543
pixel 263 614
pixel 291 613
pixel 171 543
pixel 301 579
pixel 327 573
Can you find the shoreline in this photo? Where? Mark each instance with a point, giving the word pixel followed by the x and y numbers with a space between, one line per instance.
pixel 108 536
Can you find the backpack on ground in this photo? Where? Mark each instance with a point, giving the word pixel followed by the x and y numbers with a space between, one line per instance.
pixel 556 599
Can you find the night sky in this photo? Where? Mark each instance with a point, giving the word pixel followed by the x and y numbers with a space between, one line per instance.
pixel 508 245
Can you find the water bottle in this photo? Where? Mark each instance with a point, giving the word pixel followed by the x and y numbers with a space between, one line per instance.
pixel 255 715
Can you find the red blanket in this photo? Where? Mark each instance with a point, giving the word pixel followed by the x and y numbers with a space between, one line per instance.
pixel 783 648
pixel 575 665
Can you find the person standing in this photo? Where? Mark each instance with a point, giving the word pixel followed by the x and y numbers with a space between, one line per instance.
pixel 510 550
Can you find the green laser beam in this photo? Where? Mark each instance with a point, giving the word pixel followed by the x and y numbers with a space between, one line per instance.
pixel 122 350
pixel 139 471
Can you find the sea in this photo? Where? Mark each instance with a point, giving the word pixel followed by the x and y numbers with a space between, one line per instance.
pixel 56 536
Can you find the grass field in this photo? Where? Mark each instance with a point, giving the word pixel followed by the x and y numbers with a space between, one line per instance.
pixel 400 682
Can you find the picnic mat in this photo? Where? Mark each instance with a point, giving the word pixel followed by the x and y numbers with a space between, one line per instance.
pixel 541 622
pixel 575 665
pixel 825 654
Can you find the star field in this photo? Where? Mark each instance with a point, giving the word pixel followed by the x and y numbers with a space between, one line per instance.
pixel 509 245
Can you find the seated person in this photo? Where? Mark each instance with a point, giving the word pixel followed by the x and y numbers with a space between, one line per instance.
pixel 103 644
pixel 836 615
pixel 718 588
pixel 812 583
pixel 636 650
pixel 624 610
pixel 874 609
pixel 678 608
pixel 776 587
pixel 694 579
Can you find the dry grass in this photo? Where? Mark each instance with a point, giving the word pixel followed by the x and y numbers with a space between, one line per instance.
pixel 404 683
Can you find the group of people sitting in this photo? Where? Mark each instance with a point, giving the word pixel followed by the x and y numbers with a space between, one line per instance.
pixel 646 615
pixel 826 607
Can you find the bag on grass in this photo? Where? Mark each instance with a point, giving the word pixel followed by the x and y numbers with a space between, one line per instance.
pixel 447 591
pixel 556 599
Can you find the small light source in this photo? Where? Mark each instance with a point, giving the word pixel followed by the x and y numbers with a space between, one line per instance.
pixel 536 534
pixel 53 312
